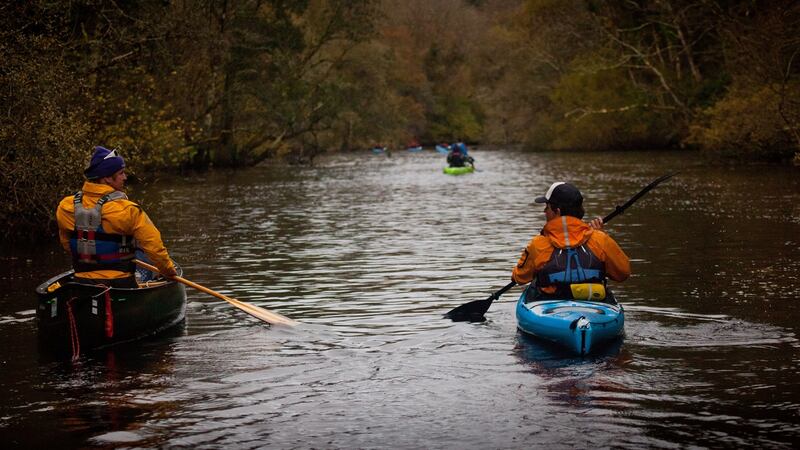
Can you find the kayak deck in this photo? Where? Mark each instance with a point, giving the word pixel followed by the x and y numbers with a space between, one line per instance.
pixel 578 325
pixel 458 170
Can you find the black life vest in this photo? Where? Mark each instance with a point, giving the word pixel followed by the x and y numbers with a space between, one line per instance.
pixel 455 158
pixel 94 249
pixel 571 265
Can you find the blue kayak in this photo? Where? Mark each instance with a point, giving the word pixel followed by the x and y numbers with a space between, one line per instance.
pixel 579 325
pixel 418 148
pixel 443 149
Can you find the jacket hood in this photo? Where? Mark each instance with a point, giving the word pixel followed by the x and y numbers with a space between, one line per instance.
pixel 567 231
pixel 96 189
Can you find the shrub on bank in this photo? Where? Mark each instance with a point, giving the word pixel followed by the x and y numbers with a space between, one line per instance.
pixel 44 143
pixel 749 124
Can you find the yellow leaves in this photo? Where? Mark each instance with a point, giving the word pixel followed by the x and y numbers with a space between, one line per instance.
pixel 747 123
pixel 152 136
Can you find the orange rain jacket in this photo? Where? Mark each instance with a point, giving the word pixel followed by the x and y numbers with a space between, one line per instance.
pixel 540 248
pixel 122 217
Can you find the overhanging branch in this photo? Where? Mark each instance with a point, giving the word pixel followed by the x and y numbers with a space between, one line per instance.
pixel 583 112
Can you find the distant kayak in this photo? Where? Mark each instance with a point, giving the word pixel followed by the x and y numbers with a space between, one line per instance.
pixel 378 149
pixel 415 149
pixel 444 149
pixel 459 170
pixel 579 325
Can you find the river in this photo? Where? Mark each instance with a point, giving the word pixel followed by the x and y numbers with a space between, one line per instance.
pixel 369 251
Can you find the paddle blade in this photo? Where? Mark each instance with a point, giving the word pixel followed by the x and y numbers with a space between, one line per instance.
pixel 474 311
pixel 258 312
pixel 470 312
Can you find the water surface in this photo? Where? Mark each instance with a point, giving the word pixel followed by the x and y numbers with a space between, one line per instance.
pixel 368 252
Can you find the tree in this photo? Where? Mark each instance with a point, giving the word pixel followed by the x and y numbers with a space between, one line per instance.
pixel 277 79
pixel 759 116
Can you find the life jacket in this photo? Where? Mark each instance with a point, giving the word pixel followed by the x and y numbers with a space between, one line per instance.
pixel 455 158
pixel 94 249
pixel 568 266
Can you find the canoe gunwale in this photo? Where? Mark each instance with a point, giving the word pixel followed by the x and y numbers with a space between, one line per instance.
pixel 42 288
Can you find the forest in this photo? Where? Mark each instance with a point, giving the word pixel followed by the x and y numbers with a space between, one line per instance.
pixel 192 85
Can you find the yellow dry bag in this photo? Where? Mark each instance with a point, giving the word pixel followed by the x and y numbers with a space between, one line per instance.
pixel 588 291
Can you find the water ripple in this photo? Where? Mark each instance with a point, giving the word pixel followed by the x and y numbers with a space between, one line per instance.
pixel 368 252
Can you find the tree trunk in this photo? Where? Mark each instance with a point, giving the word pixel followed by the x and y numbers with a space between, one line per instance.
pixel 687 49
pixel 226 155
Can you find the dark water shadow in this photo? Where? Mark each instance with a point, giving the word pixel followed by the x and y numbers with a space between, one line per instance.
pixel 112 378
pixel 542 353
pixel 63 355
pixel 570 379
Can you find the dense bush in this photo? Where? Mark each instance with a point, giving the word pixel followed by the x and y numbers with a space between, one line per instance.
pixel 44 140
pixel 747 124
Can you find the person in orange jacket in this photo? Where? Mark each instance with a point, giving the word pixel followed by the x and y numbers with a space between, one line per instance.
pixel 568 250
pixel 102 229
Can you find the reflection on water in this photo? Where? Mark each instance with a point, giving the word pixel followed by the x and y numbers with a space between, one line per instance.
pixel 369 252
pixel 668 327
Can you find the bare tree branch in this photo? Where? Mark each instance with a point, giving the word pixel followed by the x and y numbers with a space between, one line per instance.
pixel 583 112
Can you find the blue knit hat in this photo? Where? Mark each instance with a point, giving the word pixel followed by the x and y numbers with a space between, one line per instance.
pixel 104 163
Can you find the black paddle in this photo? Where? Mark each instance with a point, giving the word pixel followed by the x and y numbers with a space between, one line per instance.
pixel 474 311
pixel 619 209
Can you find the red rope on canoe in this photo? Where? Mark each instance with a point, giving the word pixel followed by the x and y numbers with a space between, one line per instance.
pixel 109 315
pixel 73 331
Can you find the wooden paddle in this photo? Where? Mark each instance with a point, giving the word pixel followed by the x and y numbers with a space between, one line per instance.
pixel 474 310
pixel 255 311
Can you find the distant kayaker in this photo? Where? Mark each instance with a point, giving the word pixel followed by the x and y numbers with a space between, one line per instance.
pixel 458 155
pixel 104 233
pixel 569 251
pixel 462 147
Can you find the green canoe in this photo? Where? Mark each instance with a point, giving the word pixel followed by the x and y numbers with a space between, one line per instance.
pixel 74 316
pixel 459 170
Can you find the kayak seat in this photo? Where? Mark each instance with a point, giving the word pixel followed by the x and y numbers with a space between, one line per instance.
pixel 533 295
pixel 586 309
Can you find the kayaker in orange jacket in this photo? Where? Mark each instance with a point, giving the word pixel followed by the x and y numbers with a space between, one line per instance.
pixel 103 240
pixel 569 250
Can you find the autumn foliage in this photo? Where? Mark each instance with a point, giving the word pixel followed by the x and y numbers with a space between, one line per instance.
pixel 230 83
